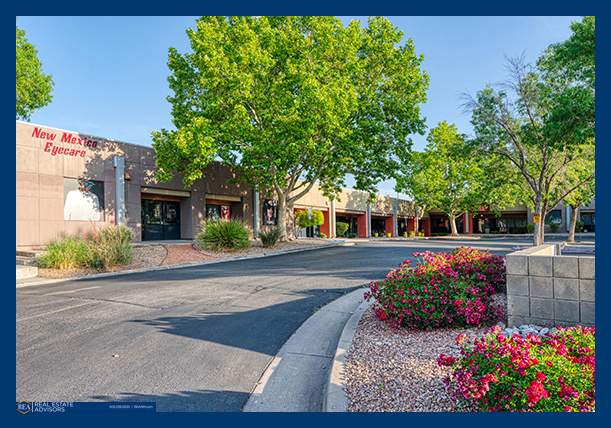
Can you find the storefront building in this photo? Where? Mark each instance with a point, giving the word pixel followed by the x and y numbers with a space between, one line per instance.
pixel 67 181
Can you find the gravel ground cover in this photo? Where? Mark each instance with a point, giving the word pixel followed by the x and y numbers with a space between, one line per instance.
pixel 396 370
pixel 157 255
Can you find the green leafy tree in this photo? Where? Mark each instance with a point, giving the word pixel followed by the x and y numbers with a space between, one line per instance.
pixel 302 220
pixel 445 177
pixel 573 59
pixel 410 181
pixel 584 194
pixel 541 127
pixel 290 101
pixel 33 87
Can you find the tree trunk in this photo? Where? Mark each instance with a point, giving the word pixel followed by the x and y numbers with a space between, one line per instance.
pixel 281 210
pixel 453 225
pixel 416 221
pixel 573 223
pixel 541 209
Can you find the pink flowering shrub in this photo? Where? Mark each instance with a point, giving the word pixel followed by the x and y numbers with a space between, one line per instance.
pixel 555 373
pixel 443 290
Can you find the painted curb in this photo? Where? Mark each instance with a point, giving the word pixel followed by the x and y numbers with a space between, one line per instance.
pixel 335 394
pixel 174 266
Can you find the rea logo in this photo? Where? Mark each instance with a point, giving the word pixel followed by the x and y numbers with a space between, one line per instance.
pixel 24 407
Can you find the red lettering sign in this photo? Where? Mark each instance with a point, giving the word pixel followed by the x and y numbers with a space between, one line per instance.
pixel 55 150
pixel 66 137
pixel 44 135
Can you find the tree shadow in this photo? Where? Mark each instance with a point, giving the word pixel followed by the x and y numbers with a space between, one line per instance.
pixel 263 330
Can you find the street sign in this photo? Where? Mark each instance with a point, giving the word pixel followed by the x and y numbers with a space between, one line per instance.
pixel 537 218
pixel 310 213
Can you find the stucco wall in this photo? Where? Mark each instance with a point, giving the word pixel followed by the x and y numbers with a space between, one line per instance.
pixel 40 183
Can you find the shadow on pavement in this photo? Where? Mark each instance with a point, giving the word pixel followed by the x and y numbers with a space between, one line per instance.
pixel 263 330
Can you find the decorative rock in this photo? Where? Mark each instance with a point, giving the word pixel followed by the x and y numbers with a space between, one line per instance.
pixel 522 331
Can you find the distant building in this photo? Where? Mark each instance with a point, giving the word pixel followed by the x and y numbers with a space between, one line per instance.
pixel 66 181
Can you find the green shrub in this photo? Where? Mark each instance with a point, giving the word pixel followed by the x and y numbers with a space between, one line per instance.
pixel 218 234
pixel 554 227
pixel 64 252
pixel 530 228
pixel 578 226
pixel 494 232
pixel 353 235
pixel 341 228
pixel 270 235
pixel 109 246
pixel 452 289
pixel 323 236
pixel 443 234
pixel 302 220
pixel 411 234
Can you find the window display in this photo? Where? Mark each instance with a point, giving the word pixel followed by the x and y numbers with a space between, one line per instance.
pixel 83 199
pixel 270 212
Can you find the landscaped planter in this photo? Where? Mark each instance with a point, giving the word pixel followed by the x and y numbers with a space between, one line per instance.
pixel 549 289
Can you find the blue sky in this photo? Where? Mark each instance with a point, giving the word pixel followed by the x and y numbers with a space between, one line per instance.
pixel 110 73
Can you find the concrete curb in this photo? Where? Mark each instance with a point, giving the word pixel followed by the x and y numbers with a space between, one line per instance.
pixel 335 394
pixel 296 378
pixel 174 266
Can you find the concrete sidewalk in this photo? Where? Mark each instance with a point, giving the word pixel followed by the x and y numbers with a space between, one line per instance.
pixel 306 374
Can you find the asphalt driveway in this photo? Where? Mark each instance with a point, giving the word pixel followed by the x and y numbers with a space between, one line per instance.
pixel 189 339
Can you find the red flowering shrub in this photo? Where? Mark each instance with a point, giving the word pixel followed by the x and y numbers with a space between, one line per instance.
pixel 443 290
pixel 555 373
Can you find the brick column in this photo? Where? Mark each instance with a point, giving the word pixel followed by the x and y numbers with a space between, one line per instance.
pixel 426 225
pixel 326 226
pixel 361 226
pixel 389 225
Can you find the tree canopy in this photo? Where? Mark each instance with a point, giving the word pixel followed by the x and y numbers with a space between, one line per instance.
pixel 33 87
pixel 445 176
pixel 290 101
pixel 540 122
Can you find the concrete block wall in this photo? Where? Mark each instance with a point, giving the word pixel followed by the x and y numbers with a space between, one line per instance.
pixel 548 289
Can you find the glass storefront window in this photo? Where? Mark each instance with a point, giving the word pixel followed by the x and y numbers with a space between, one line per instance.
pixel 588 220
pixel 554 217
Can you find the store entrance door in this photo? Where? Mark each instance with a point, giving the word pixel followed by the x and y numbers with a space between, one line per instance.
pixel 160 220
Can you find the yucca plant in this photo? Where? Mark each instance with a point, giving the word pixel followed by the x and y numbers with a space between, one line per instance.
pixel 270 236
pixel 218 234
